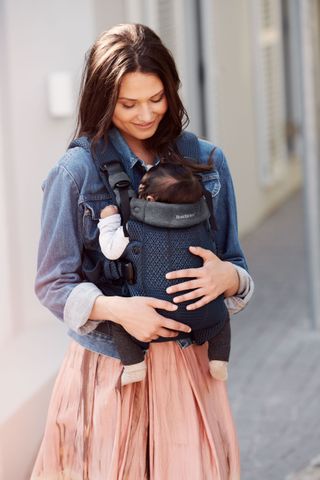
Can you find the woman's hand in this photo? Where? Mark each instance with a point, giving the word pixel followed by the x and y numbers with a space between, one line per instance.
pixel 138 316
pixel 209 281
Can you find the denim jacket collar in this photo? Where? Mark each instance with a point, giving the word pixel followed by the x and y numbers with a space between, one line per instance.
pixel 129 158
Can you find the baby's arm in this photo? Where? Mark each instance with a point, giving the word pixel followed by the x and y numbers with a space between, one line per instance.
pixel 112 240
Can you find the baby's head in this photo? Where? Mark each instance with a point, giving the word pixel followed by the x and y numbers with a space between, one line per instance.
pixel 170 183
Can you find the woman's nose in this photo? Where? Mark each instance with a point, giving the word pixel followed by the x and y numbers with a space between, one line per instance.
pixel 145 114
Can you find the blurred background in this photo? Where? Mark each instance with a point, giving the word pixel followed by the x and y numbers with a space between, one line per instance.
pixel 250 75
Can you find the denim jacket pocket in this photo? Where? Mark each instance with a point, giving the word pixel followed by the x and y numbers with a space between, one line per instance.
pixel 211 182
pixel 92 204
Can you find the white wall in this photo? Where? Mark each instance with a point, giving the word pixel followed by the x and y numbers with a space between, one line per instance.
pixel 40 38
pixel 37 38
pixel 107 14
pixel 5 278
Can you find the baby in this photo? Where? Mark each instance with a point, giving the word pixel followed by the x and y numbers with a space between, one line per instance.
pixel 169 183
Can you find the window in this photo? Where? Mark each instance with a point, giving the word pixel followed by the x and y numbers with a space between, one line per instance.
pixel 270 96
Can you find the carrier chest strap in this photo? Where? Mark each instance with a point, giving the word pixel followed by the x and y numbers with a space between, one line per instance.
pixel 208 197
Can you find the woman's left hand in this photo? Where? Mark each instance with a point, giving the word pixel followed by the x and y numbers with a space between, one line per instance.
pixel 208 282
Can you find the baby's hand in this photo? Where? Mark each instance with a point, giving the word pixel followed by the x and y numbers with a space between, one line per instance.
pixel 108 211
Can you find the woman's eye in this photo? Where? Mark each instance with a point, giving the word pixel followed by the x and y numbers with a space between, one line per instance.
pixel 127 106
pixel 158 99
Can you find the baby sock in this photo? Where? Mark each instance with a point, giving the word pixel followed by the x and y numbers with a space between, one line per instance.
pixel 133 373
pixel 218 369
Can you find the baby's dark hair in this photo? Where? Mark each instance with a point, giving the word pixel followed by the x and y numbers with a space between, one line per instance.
pixel 171 183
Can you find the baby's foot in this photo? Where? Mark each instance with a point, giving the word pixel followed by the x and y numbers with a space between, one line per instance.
pixel 218 369
pixel 134 373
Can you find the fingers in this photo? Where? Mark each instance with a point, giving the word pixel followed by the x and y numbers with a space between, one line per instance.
pixel 180 287
pixel 186 297
pixel 173 325
pixel 186 273
pixel 200 303
pixel 202 252
pixel 164 332
pixel 162 304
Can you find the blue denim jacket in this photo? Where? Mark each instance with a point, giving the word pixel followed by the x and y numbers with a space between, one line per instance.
pixel 74 195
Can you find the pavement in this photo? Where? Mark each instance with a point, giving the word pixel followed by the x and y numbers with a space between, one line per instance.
pixel 274 381
pixel 311 472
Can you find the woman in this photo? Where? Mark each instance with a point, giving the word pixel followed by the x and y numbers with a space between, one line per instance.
pixel 177 422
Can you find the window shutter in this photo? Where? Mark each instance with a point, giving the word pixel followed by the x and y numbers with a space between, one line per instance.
pixel 270 100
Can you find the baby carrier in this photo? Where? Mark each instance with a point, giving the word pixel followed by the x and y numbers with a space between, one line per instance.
pixel 160 235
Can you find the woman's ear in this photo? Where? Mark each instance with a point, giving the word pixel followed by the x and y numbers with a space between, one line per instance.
pixel 150 198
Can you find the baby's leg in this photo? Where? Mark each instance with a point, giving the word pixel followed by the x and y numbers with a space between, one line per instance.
pixel 131 355
pixel 219 352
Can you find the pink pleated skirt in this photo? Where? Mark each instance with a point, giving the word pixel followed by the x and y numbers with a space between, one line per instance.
pixel 174 425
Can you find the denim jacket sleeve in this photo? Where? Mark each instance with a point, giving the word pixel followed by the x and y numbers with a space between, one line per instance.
pixel 227 240
pixel 59 283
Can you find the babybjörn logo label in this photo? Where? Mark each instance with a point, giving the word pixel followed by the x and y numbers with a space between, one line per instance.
pixel 186 215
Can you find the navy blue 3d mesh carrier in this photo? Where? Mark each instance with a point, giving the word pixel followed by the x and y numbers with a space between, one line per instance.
pixel 155 250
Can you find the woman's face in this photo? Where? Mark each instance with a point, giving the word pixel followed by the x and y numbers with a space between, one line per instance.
pixel 141 105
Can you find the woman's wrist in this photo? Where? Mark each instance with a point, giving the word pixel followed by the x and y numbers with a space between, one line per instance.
pixel 234 280
pixel 103 308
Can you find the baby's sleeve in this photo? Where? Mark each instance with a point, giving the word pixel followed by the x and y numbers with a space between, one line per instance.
pixel 112 239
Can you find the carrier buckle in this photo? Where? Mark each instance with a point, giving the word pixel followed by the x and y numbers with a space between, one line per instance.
pixel 127 271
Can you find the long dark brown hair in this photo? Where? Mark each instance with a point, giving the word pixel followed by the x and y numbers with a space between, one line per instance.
pixel 124 49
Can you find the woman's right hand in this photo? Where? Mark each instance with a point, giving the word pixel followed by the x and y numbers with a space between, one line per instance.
pixel 137 315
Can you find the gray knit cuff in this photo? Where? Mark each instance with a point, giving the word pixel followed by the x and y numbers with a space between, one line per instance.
pixel 238 302
pixel 78 308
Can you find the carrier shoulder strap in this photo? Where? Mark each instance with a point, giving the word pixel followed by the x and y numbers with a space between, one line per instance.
pixel 208 197
pixel 188 146
pixel 112 174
